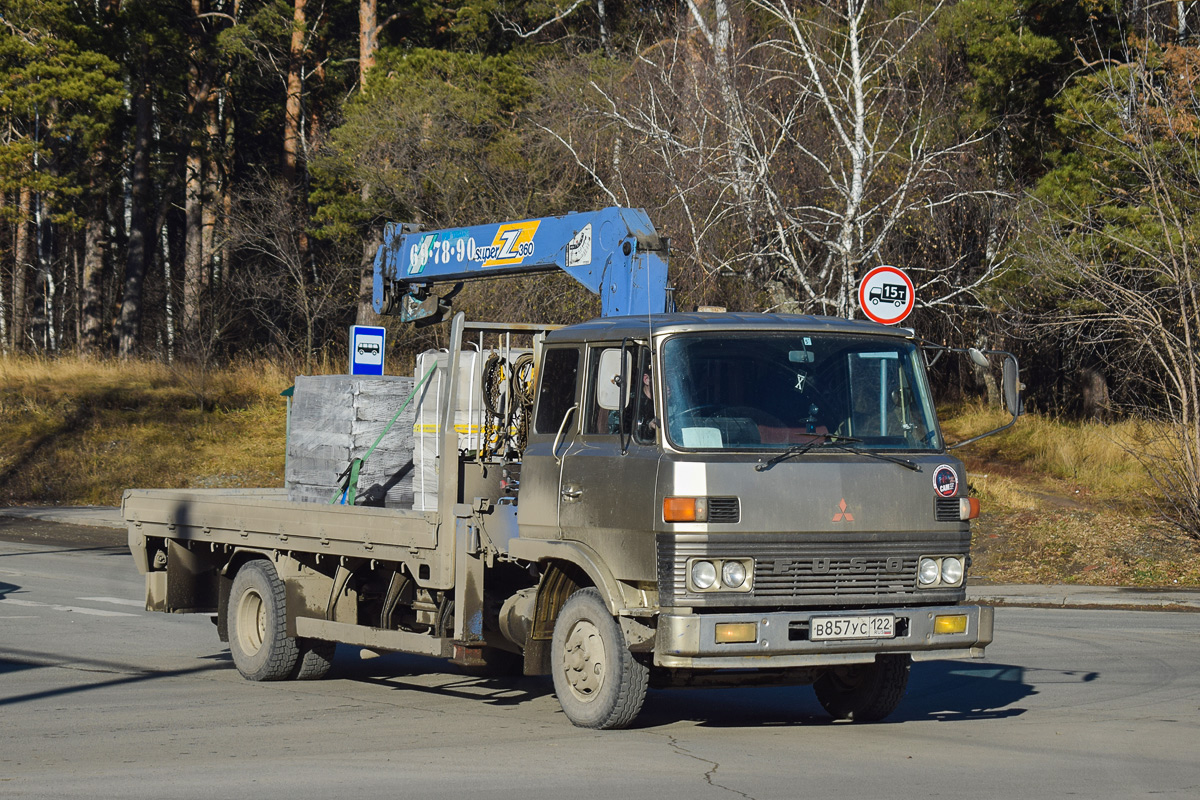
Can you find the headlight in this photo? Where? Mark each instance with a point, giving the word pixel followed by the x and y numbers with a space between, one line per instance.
pixel 952 571
pixel 927 572
pixel 704 574
pixel 720 575
pixel 733 574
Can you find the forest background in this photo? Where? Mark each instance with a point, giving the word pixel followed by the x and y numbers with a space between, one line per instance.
pixel 202 181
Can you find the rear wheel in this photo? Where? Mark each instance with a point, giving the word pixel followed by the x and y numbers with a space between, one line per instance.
pixel 315 659
pixel 598 681
pixel 257 620
pixel 864 692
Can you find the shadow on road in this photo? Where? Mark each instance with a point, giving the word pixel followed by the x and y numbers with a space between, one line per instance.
pixel 937 690
pixel 19 660
pixel 389 671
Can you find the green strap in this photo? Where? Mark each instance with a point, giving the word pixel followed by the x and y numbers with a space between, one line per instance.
pixel 347 490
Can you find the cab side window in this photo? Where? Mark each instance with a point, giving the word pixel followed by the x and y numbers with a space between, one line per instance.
pixel 605 393
pixel 619 395
pixel 560 367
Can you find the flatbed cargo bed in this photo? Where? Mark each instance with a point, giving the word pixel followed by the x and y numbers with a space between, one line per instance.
pixel 264 519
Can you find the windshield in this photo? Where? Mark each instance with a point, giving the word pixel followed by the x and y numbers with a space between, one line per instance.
pixel 768 391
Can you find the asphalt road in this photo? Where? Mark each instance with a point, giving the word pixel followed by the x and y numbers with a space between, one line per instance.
pixel 100 699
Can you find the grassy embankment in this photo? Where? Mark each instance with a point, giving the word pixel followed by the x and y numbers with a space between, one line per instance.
pixel 1063 502
pixel 1066 502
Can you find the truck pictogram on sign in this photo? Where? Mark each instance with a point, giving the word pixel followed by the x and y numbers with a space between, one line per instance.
pixel 894 293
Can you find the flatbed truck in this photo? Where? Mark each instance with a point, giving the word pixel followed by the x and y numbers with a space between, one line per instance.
pixel 699 499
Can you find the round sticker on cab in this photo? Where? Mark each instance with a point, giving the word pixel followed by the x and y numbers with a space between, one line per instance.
pixel 945 481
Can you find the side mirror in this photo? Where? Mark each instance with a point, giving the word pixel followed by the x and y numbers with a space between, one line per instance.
pixel 609 378
pixel 1011 389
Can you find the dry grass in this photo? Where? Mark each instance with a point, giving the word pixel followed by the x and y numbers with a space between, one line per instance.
pixel 77 431
pixel 1068 502
pixel 1095 458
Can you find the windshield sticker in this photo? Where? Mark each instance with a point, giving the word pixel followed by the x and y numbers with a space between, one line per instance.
pixel 945 481
pixel 801 377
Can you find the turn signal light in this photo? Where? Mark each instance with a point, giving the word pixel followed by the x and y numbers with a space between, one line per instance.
pixel 953 624
pixel 685 509
pixel 968 507
pixel 736 632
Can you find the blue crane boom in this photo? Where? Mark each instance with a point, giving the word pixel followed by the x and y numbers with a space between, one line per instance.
pixel 614 252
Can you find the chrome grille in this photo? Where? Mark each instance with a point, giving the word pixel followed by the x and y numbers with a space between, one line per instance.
pixel 810 569
pixel 724 509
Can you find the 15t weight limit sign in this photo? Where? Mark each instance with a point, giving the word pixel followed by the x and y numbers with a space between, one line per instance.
pixel 886 295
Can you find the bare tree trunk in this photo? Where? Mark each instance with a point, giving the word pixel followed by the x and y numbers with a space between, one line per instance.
pixel 21 266
pixel 42 325
pixel 368 43
pixel 193 258
pixel 168 301
pixel 92 283
pixel 212 190
pixel 368 39
pixel 137 255
pixel 199 87
pixel 295 88
pixel 227 154
pixel 3 308
pixel 605 39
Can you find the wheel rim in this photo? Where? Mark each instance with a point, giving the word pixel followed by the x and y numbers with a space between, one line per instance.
pixel 584 661
pixel 252 622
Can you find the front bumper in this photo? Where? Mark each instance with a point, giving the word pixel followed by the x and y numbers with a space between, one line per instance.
pixel 688 641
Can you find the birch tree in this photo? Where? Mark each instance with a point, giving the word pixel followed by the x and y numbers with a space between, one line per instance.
pixel 799 140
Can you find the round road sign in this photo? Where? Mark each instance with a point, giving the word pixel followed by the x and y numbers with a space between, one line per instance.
pixel 886 295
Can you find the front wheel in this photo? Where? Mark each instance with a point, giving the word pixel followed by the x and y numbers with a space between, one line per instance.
pixel 864 692
pixel 598 681
pixel 257 620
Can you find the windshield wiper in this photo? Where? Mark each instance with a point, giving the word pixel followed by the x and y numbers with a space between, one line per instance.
pixel 904 462
pixel 834 442
pixel 820 440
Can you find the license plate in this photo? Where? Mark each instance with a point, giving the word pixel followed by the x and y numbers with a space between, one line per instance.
pixel 879 626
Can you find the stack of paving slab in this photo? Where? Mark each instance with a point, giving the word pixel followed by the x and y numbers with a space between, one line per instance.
pixel 335 418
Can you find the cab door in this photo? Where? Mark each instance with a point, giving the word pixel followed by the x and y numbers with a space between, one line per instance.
pixel 554 430
pixel 607 494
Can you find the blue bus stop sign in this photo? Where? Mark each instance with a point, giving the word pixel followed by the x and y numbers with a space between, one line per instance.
pixel 367 349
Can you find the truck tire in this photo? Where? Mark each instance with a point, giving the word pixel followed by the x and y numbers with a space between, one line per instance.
pixel 315 659
pixel 864 692
pixel 598 681
pixel 258 640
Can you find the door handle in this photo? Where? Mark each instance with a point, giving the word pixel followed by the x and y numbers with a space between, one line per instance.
pixel 572 492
